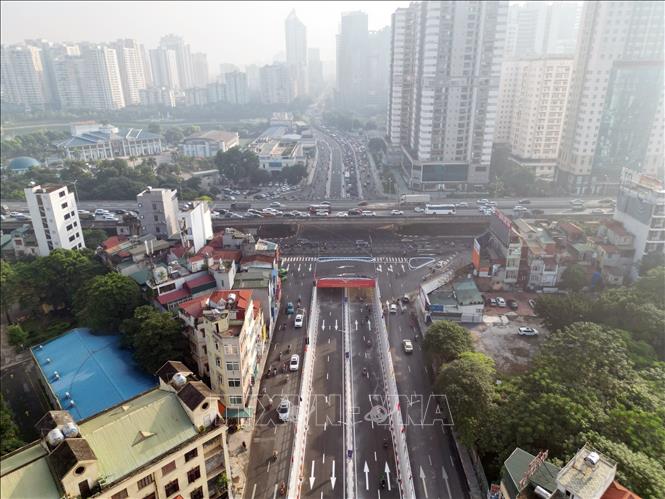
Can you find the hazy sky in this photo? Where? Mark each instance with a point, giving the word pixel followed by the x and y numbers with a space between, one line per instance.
pixel 235 32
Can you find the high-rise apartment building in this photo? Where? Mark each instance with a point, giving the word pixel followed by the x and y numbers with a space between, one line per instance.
pixel 296 51
pixel 314 71
pixel 157 96
pixel 183 58
pixel 68 74
pixel 164 65
pixel 378 66
pixel 236 88
pixel 101 81
pixel 22 76
pixel 444 83
pixel 55 218
pixel 277 85
pixel 130 62
pixel 200 72
pixel 530 111
pixel 352 59
pixel 49 53
pixel 147 66
pixel 614 111
pixel 158 212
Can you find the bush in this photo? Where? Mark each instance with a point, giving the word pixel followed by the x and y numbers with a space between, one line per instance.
pixel 17 336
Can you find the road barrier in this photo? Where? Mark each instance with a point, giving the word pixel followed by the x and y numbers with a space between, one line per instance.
pixel 397 428
pixel 349 429
pixel 296 472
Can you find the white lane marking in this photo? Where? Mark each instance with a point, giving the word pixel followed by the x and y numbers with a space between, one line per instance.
pixel 325 427
pixel 374 456
pixel 253 491
pixel 268 467
pixel 326 375
pixel 403 269
pixel 328 358
pixel 430 459
pixel 408 367
pixel 311 477
pixel 324 459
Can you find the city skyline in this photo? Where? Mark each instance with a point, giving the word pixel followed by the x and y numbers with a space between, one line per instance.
pixel 259 46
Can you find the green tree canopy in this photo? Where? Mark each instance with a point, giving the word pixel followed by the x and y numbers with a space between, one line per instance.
pixel 446 341
pixel 17 336
pixel 9 434
pixel 94 237
pixel 105 301
pixel 651 261
pixel 574 278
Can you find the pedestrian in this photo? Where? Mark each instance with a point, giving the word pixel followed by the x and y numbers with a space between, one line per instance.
pixel 244 445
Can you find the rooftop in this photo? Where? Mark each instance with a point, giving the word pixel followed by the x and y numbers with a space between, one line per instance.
pixel 214 135
pixel 517 465
pixel 585 480
pixel 106 135
pixel 467 293
pixel 195 307
pixel 92 369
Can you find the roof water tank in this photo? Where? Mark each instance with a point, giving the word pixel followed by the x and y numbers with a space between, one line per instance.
pixel 70 430
pixel 232 298
pixel 179 380
pixel 541 492
pixel 592 458
pixel 54 437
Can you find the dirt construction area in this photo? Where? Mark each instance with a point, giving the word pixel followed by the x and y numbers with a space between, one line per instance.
pixel 497 338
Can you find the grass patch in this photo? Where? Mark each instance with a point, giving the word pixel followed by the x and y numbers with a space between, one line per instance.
pixel 43 328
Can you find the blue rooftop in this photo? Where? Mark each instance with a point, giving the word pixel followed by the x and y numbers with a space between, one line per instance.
pixel 96 372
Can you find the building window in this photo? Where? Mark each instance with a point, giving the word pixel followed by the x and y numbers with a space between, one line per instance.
pixel 232 366
pixel 120 495
pixel 197 493
pixel 61 194
pixel 235 400
pixel 67 216
pixel 171 487
pixel 63 205
pixel 71 238
pixel 220 379
pixel 150 496
pixel 168 468
pixel 69 227
pixel 218 362
pixel 193 475
pixel 191 455
pixel 234 382
pixel 145 481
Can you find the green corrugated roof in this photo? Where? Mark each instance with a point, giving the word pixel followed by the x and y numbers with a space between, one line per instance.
pixel 518 463
pixel 27 480
pixel 115 435
pixel 467 293
pixel 141 277
pixel 5 239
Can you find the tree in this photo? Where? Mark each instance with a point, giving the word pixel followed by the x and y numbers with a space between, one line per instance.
pixel 17 336
pixel 173 135
pixel 7 280
pixel 154 128
pixel 376 145
pixel 446 341
pixel 106 301
pixel 573 278
pixel 9 434
pixel 468 384
pixel 94 237
pixel 155 337
pixel 651 286
pixel 558 311
pixel 650 261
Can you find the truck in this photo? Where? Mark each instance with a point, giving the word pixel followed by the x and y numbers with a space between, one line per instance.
pixel 241 206
pixel 414 198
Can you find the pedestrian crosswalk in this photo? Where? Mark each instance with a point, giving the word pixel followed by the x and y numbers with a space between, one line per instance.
pixel 323 259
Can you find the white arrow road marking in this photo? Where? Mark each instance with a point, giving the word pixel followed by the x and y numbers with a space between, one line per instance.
pixel 274 494
pixel 390 268
pixel 366 471
pixel 356 325
pixel 387 470
pixel 335 324
pixel 333 478
pixel 323 324
pixel 445 478
pixel 403 269
pixel 422 477
pixel 311 477
pixel 310 267
pixel 298 267
pixel 369 324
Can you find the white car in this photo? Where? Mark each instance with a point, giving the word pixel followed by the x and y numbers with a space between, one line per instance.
pixel 393 308
pixel 341 214
pixel 407 346
pixel 368 213
pixel 419 209
pixel 527 331
pixel 520 208
pixel 500 302
pixel 284 410
pixel 294 363
pixel 300 318
pixel 275 204
pixel 101 211
pixel 325 203
pixel 482 201
pixel 463 204
pixel 397 212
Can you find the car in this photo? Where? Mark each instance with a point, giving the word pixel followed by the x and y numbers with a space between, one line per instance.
pixel 368 213
pixel 341 214
pixel 108 218
pixel 300 318
pixel 537 211
pixel 532 303
pixel 84 212
pixel 482 201
pixel 518 207
pixel 419 209
pixel 393 308
pixel 355 212
pixel 363 203
pixel 527 331
pixel 294 363
pixel 491 203
pixel 290 309
pixel 598 211
pixel 463 204
pixel 513 305
pixel 275 204
pixel 524 201
pixel 325 203
pixel 407 346
pixel 397 212
pixel 405 299
pixel 101 211
pixel 500 302
pixel 492 302
pixel 577 202
pixel 284 410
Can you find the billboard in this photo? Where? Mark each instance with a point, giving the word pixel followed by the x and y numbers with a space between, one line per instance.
pixel 500 227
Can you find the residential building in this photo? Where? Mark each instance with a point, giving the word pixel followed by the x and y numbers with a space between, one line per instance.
pixel 283 119
pixel 216 92
pixel 253 80
pixel 183 58
pixel 378 66
pixel 226 333
pixel 588 475
pixel 236 88
pixel 314 71
pixel 22 76
pixel 157 96
pixel 97 142
pixel 641 209
pixel 55 218
pixel 615 252
pixel 460 301
pixel 147 66
pixel 49 53
pixel 195 226
pixel 442 104
pixel 296 51
pixel 164 64
pixel 531 106
pixel 166 441
pixel 101 82
pixel 68 74
pixel 200 71
pixel 613 117
pixel 158 212
pixel 277 85
pixel 132 74
pixel 207 144
pixel 542 256
pixel 352 60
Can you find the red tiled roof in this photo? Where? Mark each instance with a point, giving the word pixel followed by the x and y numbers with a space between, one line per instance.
pixel 227 255
pixel 195 258
pixel 616 227
pixel 178 250
pixel 124 254
pixel 113 241
pixel 172 296
pixel 257 258
pixel 618 491
pixel 196 306
pixel 199 281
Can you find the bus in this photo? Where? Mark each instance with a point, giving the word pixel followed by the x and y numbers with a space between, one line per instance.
pixel 440 209
pixel 316 209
